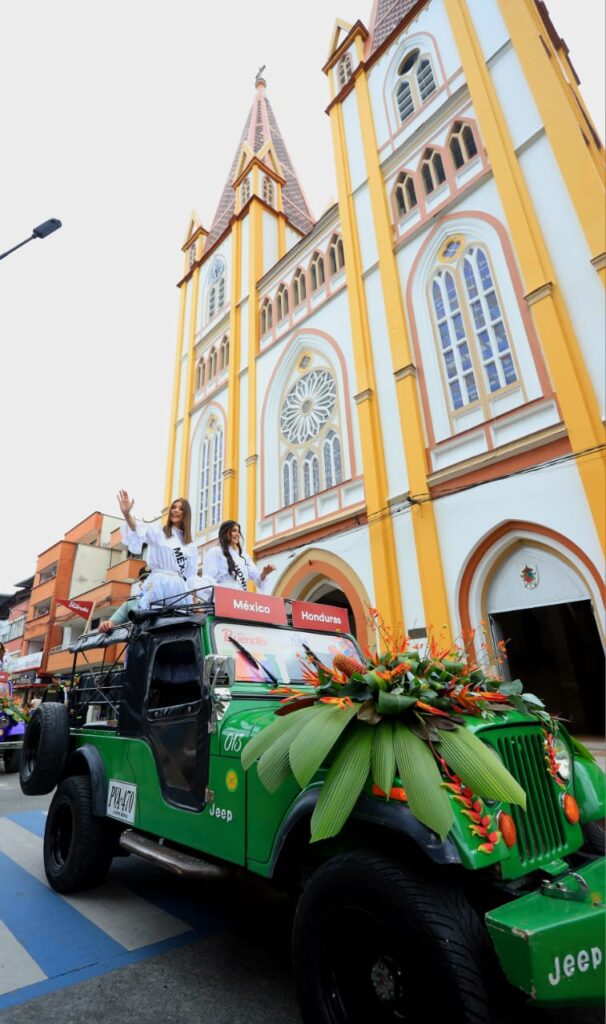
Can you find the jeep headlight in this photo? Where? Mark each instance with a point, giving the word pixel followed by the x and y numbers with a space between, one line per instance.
pixel 563 760
pixel 3 722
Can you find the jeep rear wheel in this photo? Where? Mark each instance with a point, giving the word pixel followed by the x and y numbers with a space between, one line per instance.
pixel 374 942
pixel 45 749
pixel 78 847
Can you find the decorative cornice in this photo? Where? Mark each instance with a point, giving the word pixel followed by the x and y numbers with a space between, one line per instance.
pixel 488 458
pixel 229 474
pixel 251 460
pixel 599 261
pixel 409 370
pixel 540 293
pixel 363 396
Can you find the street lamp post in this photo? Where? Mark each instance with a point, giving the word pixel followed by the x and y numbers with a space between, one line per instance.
pixel 41 231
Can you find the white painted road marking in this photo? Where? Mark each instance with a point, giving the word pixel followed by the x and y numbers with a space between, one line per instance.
pixel 17 968
pixel 120 913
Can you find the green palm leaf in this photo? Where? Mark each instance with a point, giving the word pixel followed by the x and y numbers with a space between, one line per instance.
pixel 274 765
pixel 422 781
pixel 383 759
pixel 344 783
pixel 316 739
pixel 263 739
pixel 394 703
pixel 479 768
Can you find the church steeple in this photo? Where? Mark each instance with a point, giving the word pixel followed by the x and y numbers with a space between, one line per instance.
pixel 261 145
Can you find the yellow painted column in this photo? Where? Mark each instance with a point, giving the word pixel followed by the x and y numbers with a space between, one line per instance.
pixel 562 120
pixel 230 473
pixel 174 405
pixel 255 272
pixel 380 527
pixel 189 387
pixel 565 361
pixel 281 237
pixel 427 542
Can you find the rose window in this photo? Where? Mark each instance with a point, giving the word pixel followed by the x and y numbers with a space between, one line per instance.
pixel 308 406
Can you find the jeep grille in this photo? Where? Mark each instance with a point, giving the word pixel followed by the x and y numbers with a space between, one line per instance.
pixel 540 828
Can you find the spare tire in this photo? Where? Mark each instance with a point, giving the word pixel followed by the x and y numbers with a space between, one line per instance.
pixel 45 749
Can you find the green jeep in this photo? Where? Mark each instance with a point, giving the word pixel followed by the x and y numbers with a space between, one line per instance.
pixel 394 922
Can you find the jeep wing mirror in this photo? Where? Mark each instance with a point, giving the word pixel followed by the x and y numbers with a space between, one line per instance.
pixel 218 676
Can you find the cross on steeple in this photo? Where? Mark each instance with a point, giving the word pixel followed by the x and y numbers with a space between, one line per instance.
pixel 259 75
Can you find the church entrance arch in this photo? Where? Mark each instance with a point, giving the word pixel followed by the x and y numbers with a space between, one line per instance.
pixel 541 595
pixel 322 577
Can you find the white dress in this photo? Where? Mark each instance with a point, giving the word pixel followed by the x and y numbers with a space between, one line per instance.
pixel 216 569
pixel 173 564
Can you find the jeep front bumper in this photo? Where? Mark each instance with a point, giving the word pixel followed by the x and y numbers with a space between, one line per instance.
pixel 551 942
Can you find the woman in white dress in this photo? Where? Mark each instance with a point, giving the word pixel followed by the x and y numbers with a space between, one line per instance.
pixel 229 565
pixel 171 554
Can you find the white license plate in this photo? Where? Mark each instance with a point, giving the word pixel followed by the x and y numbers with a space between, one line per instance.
pixel 121 800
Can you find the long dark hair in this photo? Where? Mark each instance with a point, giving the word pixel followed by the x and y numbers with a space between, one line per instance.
pixel 224 543
pixel 186 523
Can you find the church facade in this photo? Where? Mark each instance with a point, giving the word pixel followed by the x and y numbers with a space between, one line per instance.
pixel 402 402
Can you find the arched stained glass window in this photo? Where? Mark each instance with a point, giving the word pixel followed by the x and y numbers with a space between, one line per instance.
pixel 488 324
pixel 211 477
pixel 331 450
pixel 475 348
pixel 290 475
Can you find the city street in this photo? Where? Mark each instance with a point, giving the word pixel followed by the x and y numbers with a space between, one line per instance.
pixel 147 946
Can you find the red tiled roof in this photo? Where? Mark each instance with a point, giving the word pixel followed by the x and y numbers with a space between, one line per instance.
pixel 387 15
pixel 259 128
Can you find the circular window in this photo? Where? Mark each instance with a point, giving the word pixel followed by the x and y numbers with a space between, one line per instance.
pixel 308 406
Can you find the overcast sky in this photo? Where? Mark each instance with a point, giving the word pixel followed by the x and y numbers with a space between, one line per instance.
pixel 119 118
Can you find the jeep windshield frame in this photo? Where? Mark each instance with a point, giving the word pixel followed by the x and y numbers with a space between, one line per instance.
pixel 281 649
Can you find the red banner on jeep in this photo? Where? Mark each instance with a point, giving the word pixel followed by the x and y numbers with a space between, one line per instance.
pixel 238 604
pixel 320 616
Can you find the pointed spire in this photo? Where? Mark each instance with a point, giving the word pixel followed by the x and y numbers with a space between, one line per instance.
pixel 261 129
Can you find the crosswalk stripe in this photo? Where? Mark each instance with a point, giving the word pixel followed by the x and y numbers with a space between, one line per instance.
pixel 17 968
pixel 126 918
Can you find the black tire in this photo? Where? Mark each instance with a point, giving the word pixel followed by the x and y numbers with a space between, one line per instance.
pixel 12 760
pixel 595 839
pixel 78 847
pixel 373 942
pixel 45 749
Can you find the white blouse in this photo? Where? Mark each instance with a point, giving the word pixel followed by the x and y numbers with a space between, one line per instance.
pixel 164 554
pixel 215 567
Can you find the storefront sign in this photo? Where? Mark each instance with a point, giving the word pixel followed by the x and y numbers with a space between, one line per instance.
pixel 26 661
pixel 238 604
pixel 319 616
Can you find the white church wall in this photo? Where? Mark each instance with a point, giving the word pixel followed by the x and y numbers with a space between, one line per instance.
pixel 397 474
pixel 270 241
pixel 553 498
pixel 366 230
pixel 292 237
pixel 353 137
pixel 243 335
pixel 408 571
pixel 489 25
pixel 568 249
pixel 188 315
pixel 430 32
pixel 177 462
pixel 244 258
pixel 516 100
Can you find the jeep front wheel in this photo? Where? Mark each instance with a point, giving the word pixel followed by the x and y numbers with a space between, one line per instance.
pixel 374 942
pixel 78 847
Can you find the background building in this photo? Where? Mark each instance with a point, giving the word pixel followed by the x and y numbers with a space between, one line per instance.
pixel 403 402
